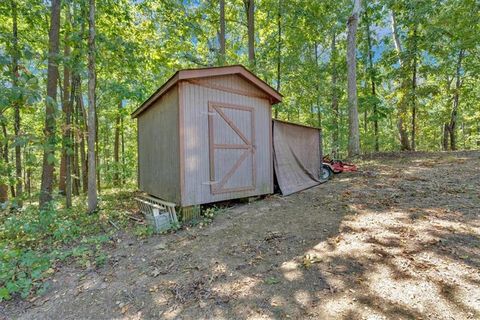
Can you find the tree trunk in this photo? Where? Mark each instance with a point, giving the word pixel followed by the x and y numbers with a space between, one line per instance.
pixel 414 88
pixel 319 114
pixel 335 132
pixel 123 150
pixel 83 128
pixel 456 102
pixel 116 145
pixel 372 80
pixel 402 108
pixel 5 157
pixel 221 34
pixel 28 180
pixel 52 76
pixel 445 137
pixel 75 159
pixel 97 154
pixel 16 108
pixel 105 151
pixel 478 134
pixel 250 10
pixel 92 170
pixel 354 134
pixel 66 181
pixel 4 166
pixel 74 137
pixel 279 51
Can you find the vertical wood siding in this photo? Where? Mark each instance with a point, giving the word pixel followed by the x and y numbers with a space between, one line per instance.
pixel 158 148
pixel 195 99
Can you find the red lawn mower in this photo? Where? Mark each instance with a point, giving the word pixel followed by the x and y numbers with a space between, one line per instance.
pixel 331 166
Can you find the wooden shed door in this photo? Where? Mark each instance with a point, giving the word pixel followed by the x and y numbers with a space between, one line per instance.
pixel 231 147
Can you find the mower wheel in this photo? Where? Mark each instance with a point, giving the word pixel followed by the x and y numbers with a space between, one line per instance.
pixel 327 173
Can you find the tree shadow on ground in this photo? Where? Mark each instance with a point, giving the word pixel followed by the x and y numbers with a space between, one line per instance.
pixel 392 244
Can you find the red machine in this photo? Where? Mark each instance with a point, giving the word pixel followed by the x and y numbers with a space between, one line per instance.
pixel 331 166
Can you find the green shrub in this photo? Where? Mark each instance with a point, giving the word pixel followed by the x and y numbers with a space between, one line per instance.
pixel 22 271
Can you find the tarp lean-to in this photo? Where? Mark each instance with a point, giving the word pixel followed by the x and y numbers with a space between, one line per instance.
pixel 297 156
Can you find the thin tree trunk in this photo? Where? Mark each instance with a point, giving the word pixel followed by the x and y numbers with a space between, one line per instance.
pixel 123 150
pixel 83 127
pixel 335 132
pixel 221 35
pixel 478 134
pixel 67 132
pixel 28 181
pixel 279 51
pixel 75 157
pixel 4 166
pixel 354 134
pixel 74 137
pixel 319 114
pixel 92 170
pixel 106 152
pixel 445 137
pixel 52 76
pixel 97 154
pixel 414 87
pixel 250 10
pixel 372 80
pixel 456 102
pixel 402 108
pixel 116 145
pixel 16 107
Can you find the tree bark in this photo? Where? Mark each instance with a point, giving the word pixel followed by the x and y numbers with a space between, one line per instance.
pixel 83 128
pixel 122 135
pixel 4 166
pixel 221 34
pixel 28 174
pixel 74 137
pixel 16 108
pixel 97 154
pixel 354 134
pixel 478 134
pixel 92 170
pixel 250 9
pixel 372 80
pixel 279 51
pixel 52 76
pixel 319 114
pixel 414 88
pixel 402 108
pixel 445 137
pixel 335 131
pixel 116 145
pixel 66 181
pixel 456 101
pixel 75 157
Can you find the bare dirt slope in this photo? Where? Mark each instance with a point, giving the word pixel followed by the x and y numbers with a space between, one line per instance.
pixel 398 240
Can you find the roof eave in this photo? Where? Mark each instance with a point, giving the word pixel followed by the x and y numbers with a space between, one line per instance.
pixel 275 96
pixel 160 91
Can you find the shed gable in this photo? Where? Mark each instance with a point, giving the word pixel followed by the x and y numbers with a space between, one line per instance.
pixel 194 75
pixel 232 83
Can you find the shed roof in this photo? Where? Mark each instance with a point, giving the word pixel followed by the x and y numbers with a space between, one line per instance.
pixel 275 96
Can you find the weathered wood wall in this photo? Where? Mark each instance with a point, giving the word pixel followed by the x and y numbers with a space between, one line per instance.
pixel 195 97
pixel 158 148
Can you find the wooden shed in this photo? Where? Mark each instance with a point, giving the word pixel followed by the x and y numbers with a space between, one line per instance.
pixel 206 136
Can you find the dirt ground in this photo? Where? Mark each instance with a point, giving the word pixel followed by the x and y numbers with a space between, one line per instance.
pixel 400 239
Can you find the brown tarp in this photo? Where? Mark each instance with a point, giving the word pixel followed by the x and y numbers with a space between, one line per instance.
pixel 297 155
